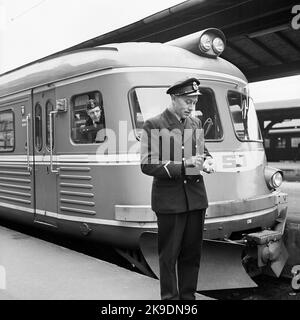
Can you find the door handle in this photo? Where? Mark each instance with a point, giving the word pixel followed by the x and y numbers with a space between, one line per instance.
pixel 52 113
pixel 27 143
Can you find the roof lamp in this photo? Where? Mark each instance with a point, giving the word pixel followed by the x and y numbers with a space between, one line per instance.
pixel 205 42
pixel 218 45
pixel 212 42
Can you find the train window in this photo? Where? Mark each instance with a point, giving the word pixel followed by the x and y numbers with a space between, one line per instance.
pixel 267 143
pixel 49 108
pixel 147 102
pixel 84 129
pixel 7 131
pixel 207 112
pixel 38 127
pixel 295 142
pixel 244 117
pixel 281 143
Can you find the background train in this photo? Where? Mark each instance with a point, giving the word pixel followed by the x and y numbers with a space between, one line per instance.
pixel 280 124
pixel 54 178
pixel 282 141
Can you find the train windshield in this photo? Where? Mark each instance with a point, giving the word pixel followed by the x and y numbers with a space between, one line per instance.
pixel 148 102
pixel 244 117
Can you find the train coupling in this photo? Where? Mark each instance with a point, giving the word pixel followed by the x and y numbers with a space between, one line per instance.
pixel 268 244
pixel 271 250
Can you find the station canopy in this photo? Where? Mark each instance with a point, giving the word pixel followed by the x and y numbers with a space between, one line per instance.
pixel 273 110
pixel 274 113
pixel 260 39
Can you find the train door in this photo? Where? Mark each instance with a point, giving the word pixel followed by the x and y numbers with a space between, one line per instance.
pixel 45 175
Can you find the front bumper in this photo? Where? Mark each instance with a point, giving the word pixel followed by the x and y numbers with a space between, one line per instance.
pixel 222 219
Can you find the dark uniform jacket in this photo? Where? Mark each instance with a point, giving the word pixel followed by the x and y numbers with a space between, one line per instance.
pixel 90 130
pixel 174 189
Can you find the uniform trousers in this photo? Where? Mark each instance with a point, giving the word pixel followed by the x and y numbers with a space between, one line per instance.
pixel 180 238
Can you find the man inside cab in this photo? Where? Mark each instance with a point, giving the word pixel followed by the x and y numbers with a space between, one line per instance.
pixel 94 124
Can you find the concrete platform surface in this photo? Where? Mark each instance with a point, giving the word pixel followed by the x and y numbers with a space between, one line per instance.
pixel 33 269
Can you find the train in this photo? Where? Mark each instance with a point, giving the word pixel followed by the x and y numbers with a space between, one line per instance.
pixel 53 178
pixel 282 141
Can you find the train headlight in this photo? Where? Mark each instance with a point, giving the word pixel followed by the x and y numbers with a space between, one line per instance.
pixel 277 179
pixel 218 45
pixel 205 42
pixel 274 177
pixel 212 42
pixel 209 43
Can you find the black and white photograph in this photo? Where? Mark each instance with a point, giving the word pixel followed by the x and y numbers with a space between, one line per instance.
pixel 149 152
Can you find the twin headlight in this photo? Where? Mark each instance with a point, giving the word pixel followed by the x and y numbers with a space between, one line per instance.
pixel 212 42
pixel 209 43
pixel 274 177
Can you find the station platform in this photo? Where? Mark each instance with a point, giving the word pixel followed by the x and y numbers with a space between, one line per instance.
pixel 33 269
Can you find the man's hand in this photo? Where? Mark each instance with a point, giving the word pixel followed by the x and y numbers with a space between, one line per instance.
pixel 209 165
pixel 85 129
pixel 82 128
pixel 194 162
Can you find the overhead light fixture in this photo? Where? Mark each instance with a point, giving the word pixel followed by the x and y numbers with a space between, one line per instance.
pixel 268 31
pixel 212 42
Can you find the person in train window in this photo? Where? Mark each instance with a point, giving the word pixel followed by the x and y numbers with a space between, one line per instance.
pixel 178 192
pixel 94 123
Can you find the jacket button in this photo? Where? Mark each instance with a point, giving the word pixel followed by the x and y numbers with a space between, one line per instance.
pixel 184 181
pixel 198 180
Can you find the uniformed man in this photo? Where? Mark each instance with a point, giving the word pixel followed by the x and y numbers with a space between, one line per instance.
pixel 94 123
pixel 173 152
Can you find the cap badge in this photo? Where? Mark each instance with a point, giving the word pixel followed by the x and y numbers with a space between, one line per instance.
pixel 195 86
